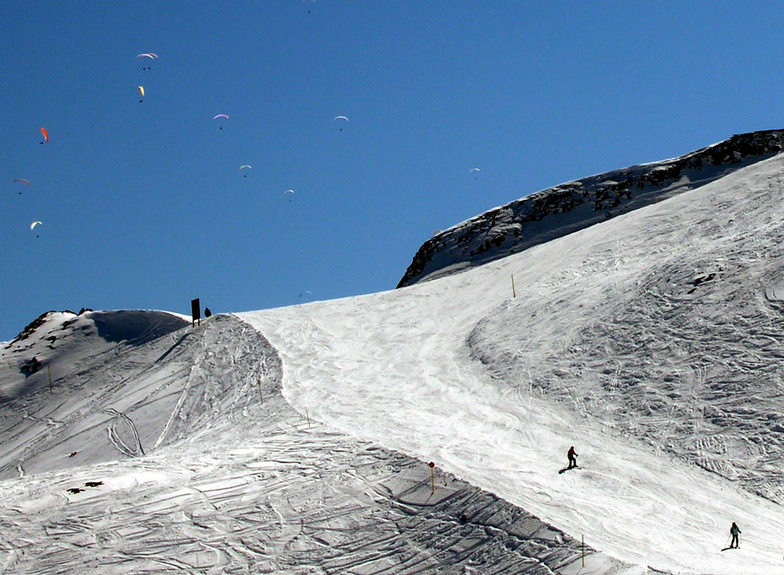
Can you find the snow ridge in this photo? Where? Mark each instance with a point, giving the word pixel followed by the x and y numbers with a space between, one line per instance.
pixel 572 206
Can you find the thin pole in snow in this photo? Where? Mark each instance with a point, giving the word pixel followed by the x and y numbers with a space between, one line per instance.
pixel 582 558
pixel 308 416
pixel 514 295
pixel 49 370
pixel 260 393
pixel 432 478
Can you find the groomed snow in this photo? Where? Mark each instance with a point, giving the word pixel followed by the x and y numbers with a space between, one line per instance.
pixel 395 368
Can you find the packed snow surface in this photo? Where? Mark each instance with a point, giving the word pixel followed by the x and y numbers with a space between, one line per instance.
pixel 401 369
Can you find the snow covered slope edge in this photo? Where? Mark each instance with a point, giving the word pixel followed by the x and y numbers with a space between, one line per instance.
pixel 575 205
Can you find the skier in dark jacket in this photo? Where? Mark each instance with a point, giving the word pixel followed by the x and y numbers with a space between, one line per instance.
pixel 572 455
pixel 734 531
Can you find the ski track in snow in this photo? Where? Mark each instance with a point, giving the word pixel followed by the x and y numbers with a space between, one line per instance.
pixel 400 369
pixel 244 486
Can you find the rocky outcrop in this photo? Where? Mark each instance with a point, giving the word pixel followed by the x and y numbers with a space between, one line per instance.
pixel 572 206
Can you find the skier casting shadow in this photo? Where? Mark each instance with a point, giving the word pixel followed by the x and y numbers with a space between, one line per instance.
pixel 734 532
pixel 572 455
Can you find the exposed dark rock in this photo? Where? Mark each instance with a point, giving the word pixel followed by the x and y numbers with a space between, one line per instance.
pixel 30 328
pixel 572 206
pixel 30 366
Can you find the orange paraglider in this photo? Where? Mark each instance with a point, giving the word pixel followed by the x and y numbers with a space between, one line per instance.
pixel 24 181
pixel 45 134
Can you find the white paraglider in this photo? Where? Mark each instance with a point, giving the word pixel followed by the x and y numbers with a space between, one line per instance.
pixel 148 55
pixel 220 116
pixel 341 119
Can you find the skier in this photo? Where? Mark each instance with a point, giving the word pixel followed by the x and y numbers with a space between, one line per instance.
pixel 572 455
pixel 734 531
pixel 207 312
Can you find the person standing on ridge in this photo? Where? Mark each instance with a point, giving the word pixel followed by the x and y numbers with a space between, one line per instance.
pixel 734 531
pixel 572 455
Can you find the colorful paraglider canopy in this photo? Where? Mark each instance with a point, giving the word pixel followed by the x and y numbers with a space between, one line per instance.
pixel 141 90
pixel 24 181
pixel 45 134
pixel 36 223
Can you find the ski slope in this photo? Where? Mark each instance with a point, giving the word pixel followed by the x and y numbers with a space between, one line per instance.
pixel 296 440
pixel 396 369
pixel 178 453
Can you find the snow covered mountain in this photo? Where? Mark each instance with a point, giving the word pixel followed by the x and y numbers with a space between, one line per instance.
pixel 138 444
pixel 297 439
pixel 572 206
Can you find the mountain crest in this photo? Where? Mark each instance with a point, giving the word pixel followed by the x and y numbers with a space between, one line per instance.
pixel 575 205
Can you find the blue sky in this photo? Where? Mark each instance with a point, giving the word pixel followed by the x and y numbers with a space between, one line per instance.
pixel 144 206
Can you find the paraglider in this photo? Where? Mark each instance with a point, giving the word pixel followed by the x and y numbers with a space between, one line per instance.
pixel 45 134
pixel 22 181
pixel 341 118
pixel 150 55
pixel 217 116
pixel 35 223
pixel 474 171
pixel 246 167
pixel 288 192
pixel 141 93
